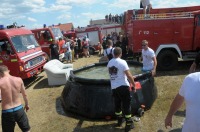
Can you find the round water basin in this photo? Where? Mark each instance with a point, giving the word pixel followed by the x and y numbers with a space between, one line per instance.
pixel 88 91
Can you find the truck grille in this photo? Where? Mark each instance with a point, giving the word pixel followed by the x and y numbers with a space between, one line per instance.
pixel 36 61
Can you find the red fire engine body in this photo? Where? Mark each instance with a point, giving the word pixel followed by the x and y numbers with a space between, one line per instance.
pixel 44 37
pixel 70 34
pixel 171 32
pixel 20 52
pixel 96 33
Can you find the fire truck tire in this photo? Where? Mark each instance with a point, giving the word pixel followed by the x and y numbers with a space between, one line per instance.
pixel 167 60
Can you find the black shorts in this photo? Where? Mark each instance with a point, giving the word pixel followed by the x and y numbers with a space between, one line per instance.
pixel 8 120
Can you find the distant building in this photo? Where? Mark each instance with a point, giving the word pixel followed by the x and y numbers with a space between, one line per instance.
pixel 98 22
pixel 66 27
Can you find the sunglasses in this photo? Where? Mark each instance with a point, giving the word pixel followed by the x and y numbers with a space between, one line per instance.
pixel 143 45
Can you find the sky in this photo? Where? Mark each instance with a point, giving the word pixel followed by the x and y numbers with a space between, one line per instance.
pixel 35 13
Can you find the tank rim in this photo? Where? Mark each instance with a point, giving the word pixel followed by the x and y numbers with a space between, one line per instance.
pixel 73 77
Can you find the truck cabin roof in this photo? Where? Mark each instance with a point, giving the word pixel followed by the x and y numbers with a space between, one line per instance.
pixel 15 32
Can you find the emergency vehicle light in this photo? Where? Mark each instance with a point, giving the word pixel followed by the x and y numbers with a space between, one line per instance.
pixel 1 26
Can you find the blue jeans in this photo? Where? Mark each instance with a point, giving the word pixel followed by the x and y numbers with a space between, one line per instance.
pixel 68 56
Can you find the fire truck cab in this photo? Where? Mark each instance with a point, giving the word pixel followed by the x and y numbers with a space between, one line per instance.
pixel 44 37
pixel 20 52
pixel 173 33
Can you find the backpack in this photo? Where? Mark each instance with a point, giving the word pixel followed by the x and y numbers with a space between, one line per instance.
pixel 110 55
pixel 104 45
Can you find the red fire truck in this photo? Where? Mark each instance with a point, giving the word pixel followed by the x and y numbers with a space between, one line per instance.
pixel 44 37
pixel 96 33
pixel 70 34
pixel 20 52
pixel 173 33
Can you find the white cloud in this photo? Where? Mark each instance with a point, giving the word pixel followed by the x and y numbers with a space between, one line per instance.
pixel 125 4
pixel 40 10
pixel 32 19
pixel 60 7
pixel 77 2
pixel 64 17
pixel 36 25
pixel 16 18
pixel 93 16
pixel 33 3
pixel 52 8
pixel 173 3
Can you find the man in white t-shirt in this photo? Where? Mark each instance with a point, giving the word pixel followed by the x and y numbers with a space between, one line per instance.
pixel 189 92
pixel 67 50
pixel 148 58
pixel 119 73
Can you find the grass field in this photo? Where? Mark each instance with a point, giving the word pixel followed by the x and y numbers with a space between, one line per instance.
pixel 46 113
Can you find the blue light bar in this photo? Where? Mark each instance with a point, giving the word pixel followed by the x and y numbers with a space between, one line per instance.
pixel 1 26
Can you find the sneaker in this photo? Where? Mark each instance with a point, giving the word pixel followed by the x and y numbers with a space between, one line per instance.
pixel 136 118
pixel 129 125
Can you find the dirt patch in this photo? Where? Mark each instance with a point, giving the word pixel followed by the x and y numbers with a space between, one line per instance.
pixel 46 113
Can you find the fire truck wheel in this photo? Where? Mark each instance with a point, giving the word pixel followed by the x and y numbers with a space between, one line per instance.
pixel 167 60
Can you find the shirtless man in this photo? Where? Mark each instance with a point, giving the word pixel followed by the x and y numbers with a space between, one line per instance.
pixel 12 110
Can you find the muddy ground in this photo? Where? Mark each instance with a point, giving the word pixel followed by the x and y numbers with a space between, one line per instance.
pixel 47 115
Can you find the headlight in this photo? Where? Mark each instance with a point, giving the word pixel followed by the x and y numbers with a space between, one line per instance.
pixel 27 65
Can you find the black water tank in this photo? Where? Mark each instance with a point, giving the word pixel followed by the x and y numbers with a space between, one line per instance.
pixel 93 98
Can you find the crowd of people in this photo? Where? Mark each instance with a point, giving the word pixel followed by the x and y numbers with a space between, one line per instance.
pixel 118 40
pixel 73 48
pixel 114 18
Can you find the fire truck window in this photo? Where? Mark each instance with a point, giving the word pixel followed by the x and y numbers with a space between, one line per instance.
pixel 6 47
pixel 40 35
pixel 9 48
pixel 24 42
pixel 37 35
pixel 46 35
pixel 1 45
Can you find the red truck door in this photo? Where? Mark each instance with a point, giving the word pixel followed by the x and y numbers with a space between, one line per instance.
pixel 8 57
pixel 183 33
pixel 43 37
pixel 197 33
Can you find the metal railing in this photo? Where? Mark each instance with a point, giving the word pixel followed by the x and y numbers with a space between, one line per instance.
pixel 164 16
